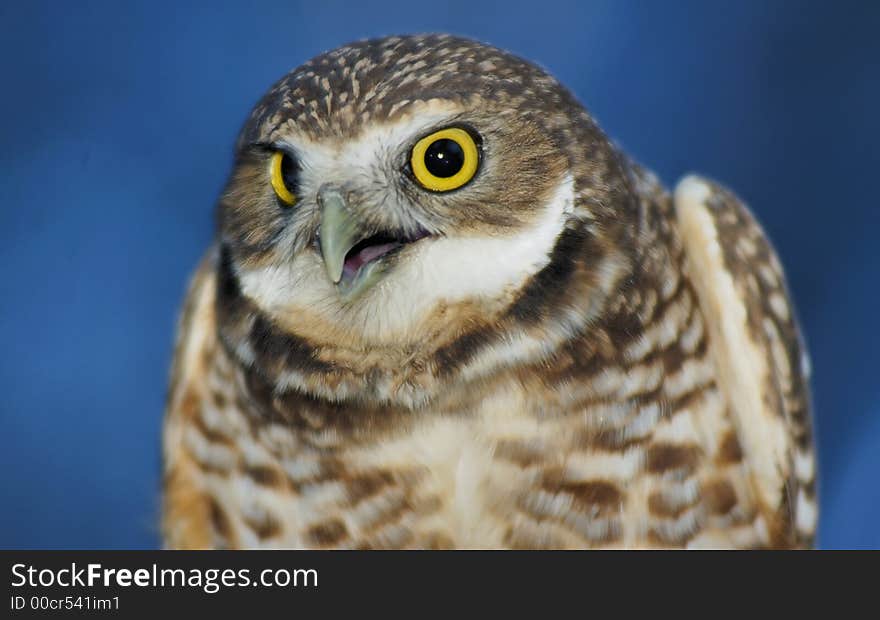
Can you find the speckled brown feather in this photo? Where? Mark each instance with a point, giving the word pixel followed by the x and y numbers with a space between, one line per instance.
pixel 591 406
pixel 766 323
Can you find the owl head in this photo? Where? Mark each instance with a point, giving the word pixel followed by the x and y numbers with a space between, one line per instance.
pixel 409 191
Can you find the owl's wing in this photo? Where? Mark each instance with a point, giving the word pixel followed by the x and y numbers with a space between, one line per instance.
pixel 186 512
pixel 763 367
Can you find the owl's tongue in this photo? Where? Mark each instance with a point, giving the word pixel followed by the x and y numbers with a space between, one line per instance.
pixel 362 254
pixel 374 248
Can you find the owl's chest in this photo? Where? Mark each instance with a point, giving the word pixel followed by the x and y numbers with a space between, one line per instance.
pixel 457 479
pixel 504 473
pixel 452 479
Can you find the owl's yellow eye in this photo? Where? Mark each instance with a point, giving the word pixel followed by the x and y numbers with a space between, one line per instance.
pixel 284 172
pixel 445 160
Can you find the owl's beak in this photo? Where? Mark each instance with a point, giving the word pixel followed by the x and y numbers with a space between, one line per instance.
pixel 355 257
pixel 338 232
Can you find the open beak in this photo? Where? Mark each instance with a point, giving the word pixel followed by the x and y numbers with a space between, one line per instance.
pixel 353 256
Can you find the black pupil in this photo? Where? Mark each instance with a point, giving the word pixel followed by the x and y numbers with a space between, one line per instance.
pixel 290 173
pixel 444 158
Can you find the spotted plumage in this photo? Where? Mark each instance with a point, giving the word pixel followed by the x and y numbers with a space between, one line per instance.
pixel 555 354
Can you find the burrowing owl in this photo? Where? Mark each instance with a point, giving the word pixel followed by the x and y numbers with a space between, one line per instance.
pixel 443 310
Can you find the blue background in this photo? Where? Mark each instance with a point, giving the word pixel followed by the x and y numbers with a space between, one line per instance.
pixel 117 122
